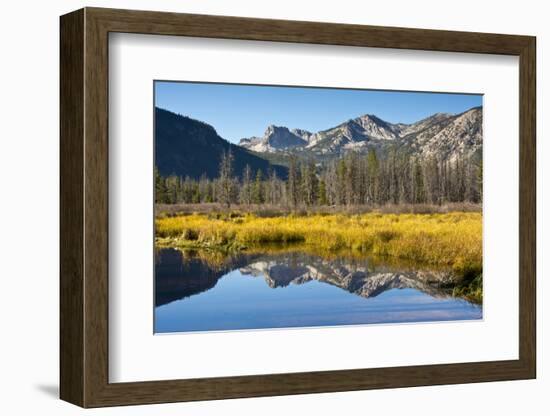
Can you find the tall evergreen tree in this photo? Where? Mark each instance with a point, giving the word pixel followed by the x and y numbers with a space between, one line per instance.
pixel 322 193
pixel 160 187
pixel 372 176
pixel 309 183
pixel 257 193
pixel 293 181
pixel 479 178
pixel 225 180
pixel 246 189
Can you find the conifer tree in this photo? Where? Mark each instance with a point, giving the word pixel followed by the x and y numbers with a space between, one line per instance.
pixel 226 178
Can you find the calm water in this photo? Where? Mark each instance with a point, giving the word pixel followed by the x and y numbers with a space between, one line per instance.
pixel 199 292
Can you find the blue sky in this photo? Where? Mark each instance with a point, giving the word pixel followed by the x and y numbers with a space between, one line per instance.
pixel 238 111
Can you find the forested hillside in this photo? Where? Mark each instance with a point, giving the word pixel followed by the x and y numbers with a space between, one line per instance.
pixel 186 147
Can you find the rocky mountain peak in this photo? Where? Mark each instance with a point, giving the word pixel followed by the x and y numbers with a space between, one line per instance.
pixel 441 133
pixel 455 135
pixel 273 129
pixel 275 138
pixel 304 134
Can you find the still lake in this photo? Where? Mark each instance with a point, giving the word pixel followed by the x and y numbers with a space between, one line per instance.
pixel 197 291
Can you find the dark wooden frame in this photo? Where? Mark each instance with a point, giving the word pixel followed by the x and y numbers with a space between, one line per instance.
pixel 84 209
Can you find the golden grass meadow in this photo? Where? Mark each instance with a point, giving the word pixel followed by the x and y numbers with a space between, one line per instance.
pixel 450 239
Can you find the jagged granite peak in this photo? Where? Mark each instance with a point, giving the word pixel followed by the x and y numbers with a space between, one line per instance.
pixel 275 138
pixel 406 129
pixel 376 128
pixel 304 134
pixel 451 136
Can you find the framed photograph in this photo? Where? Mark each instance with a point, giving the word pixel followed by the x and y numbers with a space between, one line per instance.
pixel 256 207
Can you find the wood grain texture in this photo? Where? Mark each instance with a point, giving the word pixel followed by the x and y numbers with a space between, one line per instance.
pixel 225 27
pixel 84 207
pixel 71 208
pixel 527 208
pixel 96 208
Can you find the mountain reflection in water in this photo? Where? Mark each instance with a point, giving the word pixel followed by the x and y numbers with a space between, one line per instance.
pixel 198 291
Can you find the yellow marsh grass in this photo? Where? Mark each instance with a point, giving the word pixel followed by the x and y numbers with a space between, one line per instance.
pixel 453 239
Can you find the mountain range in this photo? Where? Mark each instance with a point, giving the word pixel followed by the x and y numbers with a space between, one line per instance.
pixel 442 134
pixel 188 147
